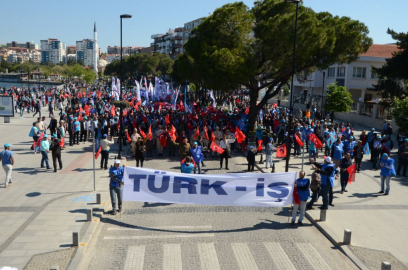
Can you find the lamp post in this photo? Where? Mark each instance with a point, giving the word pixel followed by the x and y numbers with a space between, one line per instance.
pixel 288 142
pixel 321 105
pixel 123 16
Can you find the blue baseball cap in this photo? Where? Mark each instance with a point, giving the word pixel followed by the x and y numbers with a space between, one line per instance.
pixel 105 135
pixel 385 155
pixel 351 138
pixel 7 145
pixel 309 126
pixel 54 136
pixel 251 147
pixel 45 136
pixel 195 143
pixel 373 129
pixel 406 140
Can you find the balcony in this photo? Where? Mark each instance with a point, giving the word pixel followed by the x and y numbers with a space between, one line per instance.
pixel 177 46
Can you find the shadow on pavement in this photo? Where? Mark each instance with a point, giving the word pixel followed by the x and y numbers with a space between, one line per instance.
pixel 364 195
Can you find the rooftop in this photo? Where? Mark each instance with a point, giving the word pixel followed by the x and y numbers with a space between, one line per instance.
pixel 381 51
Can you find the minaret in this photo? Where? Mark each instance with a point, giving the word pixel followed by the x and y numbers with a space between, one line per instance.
pixel 95 50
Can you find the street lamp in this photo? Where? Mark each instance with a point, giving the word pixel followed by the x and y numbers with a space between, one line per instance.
pixel 123 16
pixel 321 105
pixel 288 142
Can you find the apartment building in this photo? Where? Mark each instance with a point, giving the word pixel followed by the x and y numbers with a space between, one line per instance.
pixel 71 49
pixel 85 52
pixel 53 51
pixel 27 45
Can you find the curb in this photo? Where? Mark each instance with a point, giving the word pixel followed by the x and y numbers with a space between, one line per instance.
pixel 87 236
pixel 325 231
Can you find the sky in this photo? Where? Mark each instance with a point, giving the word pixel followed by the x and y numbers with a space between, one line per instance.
pixel 70 21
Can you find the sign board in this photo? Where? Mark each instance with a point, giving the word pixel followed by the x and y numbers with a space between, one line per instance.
pixel 7 106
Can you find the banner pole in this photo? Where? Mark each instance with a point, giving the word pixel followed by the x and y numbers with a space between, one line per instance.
pixel 303 155
pixel 93 158
pixel 290 210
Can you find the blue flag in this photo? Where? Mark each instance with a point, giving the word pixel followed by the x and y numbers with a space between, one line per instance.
pixel 330 142
pixel 366 149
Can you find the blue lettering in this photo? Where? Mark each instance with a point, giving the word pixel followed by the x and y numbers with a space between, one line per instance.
pixel 217 186
pixel 279 190
pixel 136 180
pixel 164 186
pixel 260 188
pixel 190 185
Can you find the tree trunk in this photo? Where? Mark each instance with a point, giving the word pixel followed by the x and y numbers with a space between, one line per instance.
pixel 253 110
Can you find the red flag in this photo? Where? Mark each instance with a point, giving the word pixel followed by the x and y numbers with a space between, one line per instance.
pixel 87 110
pixel 316 141
pixel 128 137
pixel 212 136
pixel 167 119
pixel 259 145
pixel 239 135
pixel 62 142
pixel 298 140
pixel 312 124
pixel 216 148
pixel 149 135
pixel 296 196
pixel 34 143
pixel 281 151
pixel 142 133
pixel 97 153
pixel 112 110
pixel 197 133
pixel 206 133
pixel 247 110
pixel 80 118
pixel 163 139
pixel 352 173
pixel 274 105
pixel 39 140
pixel 137 105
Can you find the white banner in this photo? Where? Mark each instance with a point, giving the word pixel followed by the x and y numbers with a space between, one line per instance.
pixel 235 189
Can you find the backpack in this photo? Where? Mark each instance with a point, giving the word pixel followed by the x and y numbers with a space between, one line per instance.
pixel 315 183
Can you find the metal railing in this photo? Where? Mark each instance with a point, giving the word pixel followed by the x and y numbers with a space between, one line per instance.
pixel 384 112
pixel 367 109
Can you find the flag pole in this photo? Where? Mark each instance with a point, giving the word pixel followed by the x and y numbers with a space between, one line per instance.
pixel 93 157
pixel 303 155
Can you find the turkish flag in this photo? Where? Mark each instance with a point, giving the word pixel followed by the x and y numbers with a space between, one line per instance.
pixel 296 196
pixel 149 135
pixel 281 151
pixel 142 133
pixel 97 153
pixel 274 105
pixel 80 118
pixel 62 142
pixel 206 133
pixel 352 173
pixel 247 110
pixel 39 140
pixel 197 133
pixel 167 119
pixel 316 141
pixel 259 145
pixel 239 135
pixel 212 136
pixel 87 110
pixel 137 105
pixel 298 140
pixel 172 133
pixel 128 137
pixel 112 110
pixel 216 148
pixel 163 139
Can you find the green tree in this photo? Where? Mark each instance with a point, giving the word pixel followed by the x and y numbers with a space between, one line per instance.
pixel 393 76
pixel 89 75
pixel 399 110
pixel 338 99
pixel 238 46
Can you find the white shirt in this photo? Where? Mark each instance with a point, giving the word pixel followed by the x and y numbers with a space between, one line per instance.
pixel 225 145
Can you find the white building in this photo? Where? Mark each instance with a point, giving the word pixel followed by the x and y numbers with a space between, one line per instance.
pixel 71 57
pixel 52 50
pixel 112 57
pixel 357 77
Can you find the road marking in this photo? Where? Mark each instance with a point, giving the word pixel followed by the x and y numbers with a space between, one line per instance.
pixel 244 256
pixel 279 256
pixel 159 236
pixel 208 256
pixel 135 258
pixel 160 228
pixel 172 257
pixel 313 257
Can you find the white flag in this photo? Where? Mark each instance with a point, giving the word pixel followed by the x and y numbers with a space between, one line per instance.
pixel 118 86
pixel 137 91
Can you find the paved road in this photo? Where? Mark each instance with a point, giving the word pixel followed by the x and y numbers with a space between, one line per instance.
pixel 171 236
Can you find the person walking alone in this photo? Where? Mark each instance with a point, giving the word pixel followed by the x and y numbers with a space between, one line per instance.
pixel 7 161
pixel 387 168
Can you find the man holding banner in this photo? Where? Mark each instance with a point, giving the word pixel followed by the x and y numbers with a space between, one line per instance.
pixel 116 185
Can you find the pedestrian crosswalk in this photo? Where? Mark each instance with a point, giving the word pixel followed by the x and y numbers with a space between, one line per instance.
pixel 210 253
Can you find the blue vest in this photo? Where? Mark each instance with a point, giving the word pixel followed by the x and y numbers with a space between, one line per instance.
pixel 338 151
pixel 386 171
pixel 303 195
pixel 330 177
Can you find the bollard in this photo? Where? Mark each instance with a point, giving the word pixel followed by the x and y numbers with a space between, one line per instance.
pixel 323 215
pixel 347 237
pixel 54 268
pixel 385 266
pixel 75 239
pixel 89 215
pixel 98 198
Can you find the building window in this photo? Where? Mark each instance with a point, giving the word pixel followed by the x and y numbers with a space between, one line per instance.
pixel 373 74
pixel 359 72
pixel 330 72
pixel 341 72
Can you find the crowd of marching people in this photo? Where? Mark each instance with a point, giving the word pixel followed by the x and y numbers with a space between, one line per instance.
pixel 197 132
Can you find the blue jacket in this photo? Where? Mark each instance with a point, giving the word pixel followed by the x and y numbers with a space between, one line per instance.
pixel 337 151
pixel 118 173
pixel 196 154
pixel 325 178
pixel 303 188
pixel 187 169
pixel 388 169
pixel 349 146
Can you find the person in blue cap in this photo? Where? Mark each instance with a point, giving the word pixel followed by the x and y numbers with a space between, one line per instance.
pixel 45 149
pixel 7 161
pixel 197 155
pixel 387 169
pixel 77 128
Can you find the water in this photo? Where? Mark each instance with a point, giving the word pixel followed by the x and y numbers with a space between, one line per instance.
pixel 10 84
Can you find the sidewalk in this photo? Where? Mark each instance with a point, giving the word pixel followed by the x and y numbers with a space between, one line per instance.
pixel 40 209
pixel 377 222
